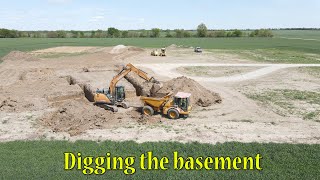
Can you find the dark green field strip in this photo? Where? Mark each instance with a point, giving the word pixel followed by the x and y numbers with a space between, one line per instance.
pixel 28 44
pixel 45 159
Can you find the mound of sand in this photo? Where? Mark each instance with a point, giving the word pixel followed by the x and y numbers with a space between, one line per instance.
pixel 173 46
pixel 18 55
pixel 118 49
pixel 75 117
pixel 132 48
pixel 122 48
pixel 200 95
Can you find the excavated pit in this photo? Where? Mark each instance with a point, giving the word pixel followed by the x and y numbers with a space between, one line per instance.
pixel 87 89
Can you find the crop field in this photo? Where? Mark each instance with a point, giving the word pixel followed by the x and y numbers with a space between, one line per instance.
pixel 302 34
pixel 28 44
pixel 45 159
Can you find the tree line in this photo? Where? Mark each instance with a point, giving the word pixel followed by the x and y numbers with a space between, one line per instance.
pixel 201 31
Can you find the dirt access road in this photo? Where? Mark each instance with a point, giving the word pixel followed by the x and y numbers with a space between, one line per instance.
pixel 169 70
pixel 40 88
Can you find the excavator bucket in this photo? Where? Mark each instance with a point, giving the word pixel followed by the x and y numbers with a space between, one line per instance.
pixel 155 88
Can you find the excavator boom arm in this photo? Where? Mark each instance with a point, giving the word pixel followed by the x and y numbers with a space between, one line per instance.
pixel 126 70
pixel 139 72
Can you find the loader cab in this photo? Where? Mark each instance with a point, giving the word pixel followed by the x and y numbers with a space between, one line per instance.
pixel 182 100
pixel 120 94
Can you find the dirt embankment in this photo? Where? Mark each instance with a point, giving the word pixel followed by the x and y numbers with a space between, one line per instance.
pixel 18 55
pixel 122 48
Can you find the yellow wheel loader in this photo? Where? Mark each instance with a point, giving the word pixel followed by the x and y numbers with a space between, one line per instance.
pixel 155 53
pixel 114 96
pixel 173 107
pixel 163 52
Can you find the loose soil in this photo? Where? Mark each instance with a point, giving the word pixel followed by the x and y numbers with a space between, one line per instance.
pixel 19 56
pixel 45 98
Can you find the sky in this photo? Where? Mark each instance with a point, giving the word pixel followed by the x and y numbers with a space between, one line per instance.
pixel 164 14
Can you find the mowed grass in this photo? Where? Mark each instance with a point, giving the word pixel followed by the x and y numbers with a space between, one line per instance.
pixel 29 44
pixel 274 55
pixel 288 102
pixel 314 71
pixel 45 159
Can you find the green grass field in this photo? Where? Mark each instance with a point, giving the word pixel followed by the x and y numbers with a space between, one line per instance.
pixel 45 159
pixel 27 44
pixel 303 34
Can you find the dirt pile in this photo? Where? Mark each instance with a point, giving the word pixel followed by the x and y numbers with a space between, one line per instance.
pixel 122 49
pixel 172 46
pixel 18 55
pixel 132 48
pixel 118 49
pixel 75 117
pixel 200 95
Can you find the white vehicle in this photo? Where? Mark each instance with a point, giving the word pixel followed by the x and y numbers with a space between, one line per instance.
pixel 198 50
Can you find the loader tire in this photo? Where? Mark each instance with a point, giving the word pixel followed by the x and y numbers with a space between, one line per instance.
pixel 173 114
pixel 147 110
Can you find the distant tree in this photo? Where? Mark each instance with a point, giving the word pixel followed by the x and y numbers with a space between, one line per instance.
pixel 155 32
pixel 144 33
pixel 61 34
pixel 237 33
pixel 125 34
pixel 261 33
pixel 168 33
pixel 37 35
pixel 186 34
pixel 99 34
pixel 113 32
pixel 229 34
pixel 51 34
pixel 210 34
pixel 133 34
pixel 220 33
pixel 75 34
pixel 202 30
pixel 93 34
pixel 179 33
pixel 6 33
pixel 81 34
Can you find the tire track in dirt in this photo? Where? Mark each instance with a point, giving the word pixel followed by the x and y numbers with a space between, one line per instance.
pixel 169 70
pixel 8 77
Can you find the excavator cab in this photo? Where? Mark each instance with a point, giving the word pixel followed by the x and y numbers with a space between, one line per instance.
pixel 120 93
pixel 182 100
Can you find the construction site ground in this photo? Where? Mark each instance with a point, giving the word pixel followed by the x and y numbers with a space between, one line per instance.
pixel 44 95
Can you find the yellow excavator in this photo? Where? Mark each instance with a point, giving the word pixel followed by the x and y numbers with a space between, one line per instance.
pixel 172 106
pixel 114 96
